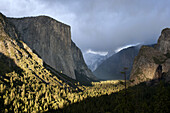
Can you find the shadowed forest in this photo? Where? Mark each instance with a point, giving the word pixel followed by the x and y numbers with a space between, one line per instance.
pixel 19 92
pixel 139 99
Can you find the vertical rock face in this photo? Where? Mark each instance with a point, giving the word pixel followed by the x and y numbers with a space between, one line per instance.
pixel 148 59
pixel 79 62
pixel 51 40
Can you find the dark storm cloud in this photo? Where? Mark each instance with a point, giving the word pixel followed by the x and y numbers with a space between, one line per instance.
pixel 101 25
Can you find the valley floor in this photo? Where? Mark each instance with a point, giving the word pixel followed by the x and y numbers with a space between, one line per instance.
pixel 101 97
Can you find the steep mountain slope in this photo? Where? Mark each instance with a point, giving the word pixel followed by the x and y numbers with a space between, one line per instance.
pixel 93 60
pixel 82 72
pixel 148 59
pixel 51 40
pixel 111 67
pixel 25 84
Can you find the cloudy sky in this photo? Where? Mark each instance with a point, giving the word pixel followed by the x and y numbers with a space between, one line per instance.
pixel 100 25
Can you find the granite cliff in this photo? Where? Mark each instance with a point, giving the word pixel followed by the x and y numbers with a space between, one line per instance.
pixel 17 60
pixel 148 59
pixel 51 41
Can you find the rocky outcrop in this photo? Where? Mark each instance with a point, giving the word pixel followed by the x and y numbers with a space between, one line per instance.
pixel 148 59
pixel 111 68
pixel 51 40
pixel 163 44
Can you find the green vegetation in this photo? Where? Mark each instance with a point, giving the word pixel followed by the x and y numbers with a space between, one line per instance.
pixel 140 99
pixel 27 86
pixel 33 95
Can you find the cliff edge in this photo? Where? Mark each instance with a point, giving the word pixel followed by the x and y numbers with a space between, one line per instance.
pixel 149 58
pixel 51 41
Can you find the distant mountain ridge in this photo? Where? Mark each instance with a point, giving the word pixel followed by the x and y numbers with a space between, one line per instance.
pixel 111 67
pixel 93 60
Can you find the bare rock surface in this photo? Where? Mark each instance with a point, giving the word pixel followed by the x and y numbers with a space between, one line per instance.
pixel 148 59
pixel 50 40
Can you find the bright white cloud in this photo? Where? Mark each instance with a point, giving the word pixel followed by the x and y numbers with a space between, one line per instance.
pixel 124 47
pixel 97 52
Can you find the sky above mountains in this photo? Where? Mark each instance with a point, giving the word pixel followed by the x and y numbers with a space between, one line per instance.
pixel 100 25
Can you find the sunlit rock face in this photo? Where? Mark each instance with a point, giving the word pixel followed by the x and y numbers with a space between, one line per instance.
pixel 148 59
pixel 50 40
